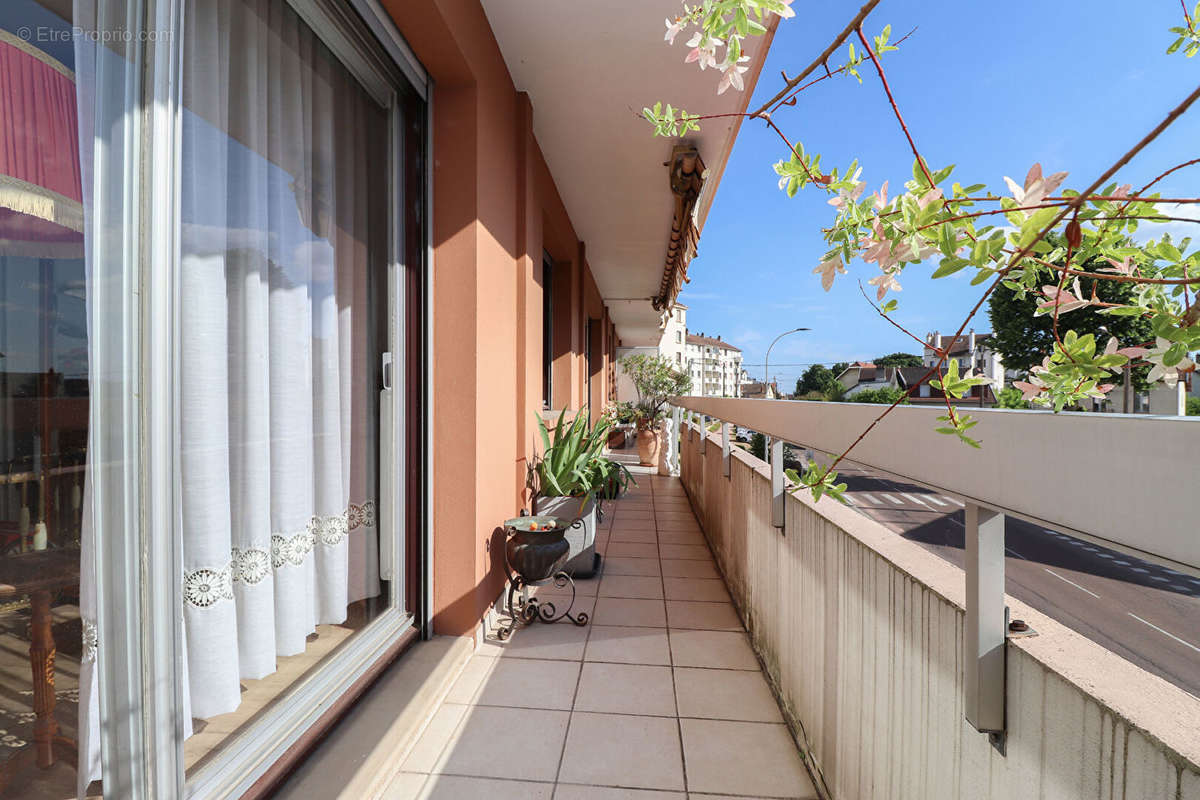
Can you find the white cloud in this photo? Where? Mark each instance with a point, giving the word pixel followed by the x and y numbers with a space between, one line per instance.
pixel 1178 229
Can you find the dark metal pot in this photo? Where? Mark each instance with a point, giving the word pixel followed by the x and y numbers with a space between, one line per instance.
pixel 536 554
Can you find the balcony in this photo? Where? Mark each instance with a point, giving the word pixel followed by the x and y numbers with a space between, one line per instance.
pixel 661 692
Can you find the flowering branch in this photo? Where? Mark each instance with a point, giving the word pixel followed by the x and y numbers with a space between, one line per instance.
pixel 927 219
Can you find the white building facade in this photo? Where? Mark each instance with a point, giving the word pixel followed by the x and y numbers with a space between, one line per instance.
pixel 715 366
pixel 972 352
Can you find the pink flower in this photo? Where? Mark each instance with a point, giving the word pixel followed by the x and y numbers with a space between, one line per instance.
pixel 1036 187
pixel 1028 390
pixel 1124 267
pixel 732 76
pixel 828 269
pixel 929 197
pixel 852 195
pixel 1122 191
pixel 884 282
pixel 673 29
pixel 1062 299
pixel 881 197
pixel 704 50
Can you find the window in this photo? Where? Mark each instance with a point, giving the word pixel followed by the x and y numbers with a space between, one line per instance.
pixel 245 499
pixel 678 337
pixel 547 330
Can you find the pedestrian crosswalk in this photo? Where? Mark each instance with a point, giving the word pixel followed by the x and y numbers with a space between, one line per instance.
pixel 927 501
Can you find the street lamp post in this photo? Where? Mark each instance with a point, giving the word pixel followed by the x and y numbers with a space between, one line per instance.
pixel 767 378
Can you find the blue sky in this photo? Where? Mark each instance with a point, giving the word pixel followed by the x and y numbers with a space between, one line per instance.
pixel 1070 84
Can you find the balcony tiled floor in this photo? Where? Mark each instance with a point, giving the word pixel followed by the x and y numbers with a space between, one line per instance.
pixel 659 697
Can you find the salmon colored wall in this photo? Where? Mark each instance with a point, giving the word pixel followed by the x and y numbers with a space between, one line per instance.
pixel 495 209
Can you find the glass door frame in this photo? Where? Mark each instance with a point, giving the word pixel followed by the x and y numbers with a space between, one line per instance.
pixel 136 445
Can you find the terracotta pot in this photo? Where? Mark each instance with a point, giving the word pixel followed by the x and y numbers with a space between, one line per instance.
pixel 648 445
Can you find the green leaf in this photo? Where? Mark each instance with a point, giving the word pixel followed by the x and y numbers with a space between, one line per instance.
pixel 950 266
pixel 1174 354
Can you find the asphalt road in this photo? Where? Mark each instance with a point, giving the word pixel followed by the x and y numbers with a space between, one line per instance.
pixel 1145 613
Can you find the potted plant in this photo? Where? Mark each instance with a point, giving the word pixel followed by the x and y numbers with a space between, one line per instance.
pixel 566 478
pixel 655 379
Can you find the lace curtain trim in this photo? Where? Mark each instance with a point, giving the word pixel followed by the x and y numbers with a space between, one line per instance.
pixel 251 565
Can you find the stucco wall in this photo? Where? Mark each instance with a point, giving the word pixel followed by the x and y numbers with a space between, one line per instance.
pixel 495 209
pixel 861 633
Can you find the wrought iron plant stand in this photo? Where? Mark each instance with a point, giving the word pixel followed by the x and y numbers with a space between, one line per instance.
pixel 536 550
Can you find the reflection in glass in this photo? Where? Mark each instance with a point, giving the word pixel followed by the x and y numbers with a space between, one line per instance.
pixel 43 402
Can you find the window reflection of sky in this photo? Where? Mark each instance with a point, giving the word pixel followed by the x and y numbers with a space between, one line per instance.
pixel 236 201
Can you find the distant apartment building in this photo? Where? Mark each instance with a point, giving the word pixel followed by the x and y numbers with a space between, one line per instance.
pixel 673 344
pixel 715 365
pixel 971 351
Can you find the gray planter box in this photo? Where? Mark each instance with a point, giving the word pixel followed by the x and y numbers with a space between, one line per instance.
pixel 582 561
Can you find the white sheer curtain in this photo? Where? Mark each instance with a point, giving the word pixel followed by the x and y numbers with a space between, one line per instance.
pixel 283 205
pixel 276 437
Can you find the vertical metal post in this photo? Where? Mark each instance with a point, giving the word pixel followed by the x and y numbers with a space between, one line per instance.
pixel 725 458
pixel 985 635
pixel 676 437
pixel 703 433
pixel 777 482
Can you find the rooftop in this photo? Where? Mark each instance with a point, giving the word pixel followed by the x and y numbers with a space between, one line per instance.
pixel 701 339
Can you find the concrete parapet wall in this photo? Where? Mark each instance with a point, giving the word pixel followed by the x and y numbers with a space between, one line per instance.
pixel 861 632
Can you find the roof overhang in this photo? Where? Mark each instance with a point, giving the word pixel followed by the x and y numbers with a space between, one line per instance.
pixel 589 69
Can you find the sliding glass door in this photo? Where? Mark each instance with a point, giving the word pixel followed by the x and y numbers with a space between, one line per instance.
pixel 212 269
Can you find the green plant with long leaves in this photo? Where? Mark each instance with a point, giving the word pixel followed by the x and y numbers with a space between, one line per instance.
pixel 572 463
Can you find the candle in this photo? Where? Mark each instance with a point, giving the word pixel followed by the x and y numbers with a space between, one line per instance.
pixel 39 536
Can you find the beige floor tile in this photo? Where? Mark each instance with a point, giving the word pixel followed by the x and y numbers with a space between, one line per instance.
pixel 716 649
pixel 699 589
pixel 668 525
pixel 703 616
pixel 641 511
pixel 628 645
pixel 562 599
pixel 623 751
pixel 557 641
pixel 626 689
pixel 695 552
pixel 630 612
pixel 405 786
pixel 465 689
pixel 633 550
pixel 622 533
pixel 477 748
pixel 681 537
pixel 528 683
pixel 743 758
pixel 567 791
pixel 584 587
pixel 725 694
pixel 456 787
pixel 623 565
pixel 631 586
pixel 689 568
pixel 423 757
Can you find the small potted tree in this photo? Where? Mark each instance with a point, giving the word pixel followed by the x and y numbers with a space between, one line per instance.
pixel 655 379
